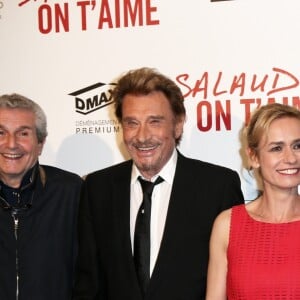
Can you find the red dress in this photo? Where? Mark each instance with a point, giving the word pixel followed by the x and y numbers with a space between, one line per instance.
pixel 263 259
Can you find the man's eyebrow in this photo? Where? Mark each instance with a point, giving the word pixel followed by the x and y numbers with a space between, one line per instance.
pixel 128 118
pixel 25 127
pixel 158 117
pixel 151 117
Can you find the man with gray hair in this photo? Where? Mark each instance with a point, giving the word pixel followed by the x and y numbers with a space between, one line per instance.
pixel 38 208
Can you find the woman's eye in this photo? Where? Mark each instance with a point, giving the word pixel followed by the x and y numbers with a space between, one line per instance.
pixel 297 146
pixel 275 149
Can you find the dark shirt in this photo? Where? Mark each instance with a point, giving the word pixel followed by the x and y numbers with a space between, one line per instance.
pixel 21 196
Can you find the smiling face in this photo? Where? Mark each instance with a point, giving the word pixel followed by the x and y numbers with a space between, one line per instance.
pixel 278 155
pixel 19 146
pixel 149 131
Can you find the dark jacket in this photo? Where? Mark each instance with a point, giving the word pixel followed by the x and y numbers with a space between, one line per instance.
pixel 106 268
pixel 40 244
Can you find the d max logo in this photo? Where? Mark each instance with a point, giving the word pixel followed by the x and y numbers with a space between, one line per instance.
pixel 93 97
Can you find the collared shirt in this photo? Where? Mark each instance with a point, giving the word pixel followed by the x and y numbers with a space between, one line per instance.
pixel 159 204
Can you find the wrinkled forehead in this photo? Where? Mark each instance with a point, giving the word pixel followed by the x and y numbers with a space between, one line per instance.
pixel 17 118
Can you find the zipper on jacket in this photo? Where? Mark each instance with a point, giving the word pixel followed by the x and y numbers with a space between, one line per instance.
pixel 16 226
pixel 15 213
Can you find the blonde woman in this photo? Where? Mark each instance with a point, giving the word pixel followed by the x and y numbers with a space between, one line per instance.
pixel 255 248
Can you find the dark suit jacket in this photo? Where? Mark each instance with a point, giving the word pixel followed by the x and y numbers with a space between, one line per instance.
pixel 105 267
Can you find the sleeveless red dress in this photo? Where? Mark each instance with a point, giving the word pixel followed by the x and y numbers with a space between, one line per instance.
pixel 263 259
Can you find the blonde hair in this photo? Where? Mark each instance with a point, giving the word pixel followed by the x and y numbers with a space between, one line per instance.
pixel 261 120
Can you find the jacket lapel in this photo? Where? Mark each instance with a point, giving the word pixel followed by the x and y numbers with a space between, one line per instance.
pixel 121 200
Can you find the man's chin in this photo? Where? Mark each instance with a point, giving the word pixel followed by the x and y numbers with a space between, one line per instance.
pixel 146 166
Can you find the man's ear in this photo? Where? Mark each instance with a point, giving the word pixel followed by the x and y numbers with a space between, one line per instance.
pixel 41 146
pixel 179 126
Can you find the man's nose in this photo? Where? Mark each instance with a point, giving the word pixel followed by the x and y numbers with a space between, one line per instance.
pixel 11 141
pixel 143 133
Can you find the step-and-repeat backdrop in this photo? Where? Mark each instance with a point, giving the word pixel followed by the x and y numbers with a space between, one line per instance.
pixel 228 57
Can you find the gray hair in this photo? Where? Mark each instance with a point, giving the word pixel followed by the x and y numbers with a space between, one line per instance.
pixel 16 101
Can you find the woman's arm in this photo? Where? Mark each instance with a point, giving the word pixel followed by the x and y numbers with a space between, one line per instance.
pixel 217 267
